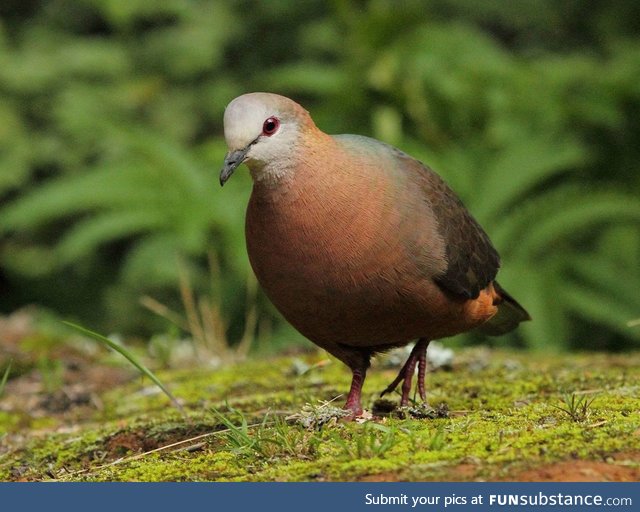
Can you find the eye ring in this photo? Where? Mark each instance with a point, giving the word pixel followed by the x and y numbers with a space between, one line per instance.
pixel 270 126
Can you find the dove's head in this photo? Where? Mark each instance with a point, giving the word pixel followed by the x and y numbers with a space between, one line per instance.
pixel 264 131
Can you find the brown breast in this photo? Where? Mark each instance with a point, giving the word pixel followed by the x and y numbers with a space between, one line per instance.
pixel 348 256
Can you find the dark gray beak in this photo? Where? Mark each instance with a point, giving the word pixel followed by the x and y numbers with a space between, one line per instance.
pixel 231 162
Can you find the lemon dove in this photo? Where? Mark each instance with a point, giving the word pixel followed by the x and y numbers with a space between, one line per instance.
pixel 361 247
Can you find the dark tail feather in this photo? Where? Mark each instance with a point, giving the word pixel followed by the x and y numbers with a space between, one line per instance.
pixel 509 315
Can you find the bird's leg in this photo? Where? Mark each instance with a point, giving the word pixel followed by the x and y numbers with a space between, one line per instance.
pixel 353 398
pixel 408 376
pixel 417 357
pixel 401 376
pixel 422 369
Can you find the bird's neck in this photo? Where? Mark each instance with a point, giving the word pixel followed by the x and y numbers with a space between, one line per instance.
pixel 285 178
pixel 322 199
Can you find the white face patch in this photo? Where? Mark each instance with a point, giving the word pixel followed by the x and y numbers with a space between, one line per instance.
pixel 243 120
pixel 269 157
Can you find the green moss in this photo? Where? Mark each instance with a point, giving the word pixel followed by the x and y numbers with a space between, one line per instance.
pixel 504 417
pixel 175 467
pixel 8 421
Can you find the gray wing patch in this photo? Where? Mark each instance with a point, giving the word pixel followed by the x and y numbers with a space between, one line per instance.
pixel 472 261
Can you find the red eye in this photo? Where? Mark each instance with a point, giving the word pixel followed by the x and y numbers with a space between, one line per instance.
pixel 270 126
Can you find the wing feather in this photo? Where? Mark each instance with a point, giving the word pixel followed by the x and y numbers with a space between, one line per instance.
pixel 472 261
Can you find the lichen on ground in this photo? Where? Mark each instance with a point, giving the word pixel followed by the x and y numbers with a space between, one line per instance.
pixel 496 415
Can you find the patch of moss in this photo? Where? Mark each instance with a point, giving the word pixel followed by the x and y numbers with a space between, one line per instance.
pixel 8 421
pixel 176 467
pixel 505 416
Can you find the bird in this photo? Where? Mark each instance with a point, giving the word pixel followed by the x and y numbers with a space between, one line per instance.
pixel 359 246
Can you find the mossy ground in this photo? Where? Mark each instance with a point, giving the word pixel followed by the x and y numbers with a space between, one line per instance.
pixel 505 421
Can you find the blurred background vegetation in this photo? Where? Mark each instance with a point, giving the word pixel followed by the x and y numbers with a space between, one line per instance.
pixel 111 142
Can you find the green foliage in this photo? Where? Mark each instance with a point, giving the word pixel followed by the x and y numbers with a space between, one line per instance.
pixel 576 406
pixel 111 140
pixel 292 440
pixel 371 440
pixel 438 441
pixel 271 438
pixel 239 437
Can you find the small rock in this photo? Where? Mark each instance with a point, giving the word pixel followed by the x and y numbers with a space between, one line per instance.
pixel 438 356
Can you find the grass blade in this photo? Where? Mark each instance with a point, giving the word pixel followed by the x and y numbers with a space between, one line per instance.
pixel 5 377
pixel 130 357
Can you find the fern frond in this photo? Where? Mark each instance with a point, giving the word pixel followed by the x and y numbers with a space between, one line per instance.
pixel 604 309
pixel 561 214
pixel 596 209
pixel 87 235
pixel 522 167
pixel 103 187
pixel 536 288
pixel 599 272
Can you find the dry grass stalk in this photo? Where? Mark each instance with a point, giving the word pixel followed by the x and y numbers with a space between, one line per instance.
pixel 203 318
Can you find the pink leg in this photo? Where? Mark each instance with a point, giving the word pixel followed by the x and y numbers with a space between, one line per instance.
pixel 353 399
pixel 422 368
pixel 417 357
pixel 408 376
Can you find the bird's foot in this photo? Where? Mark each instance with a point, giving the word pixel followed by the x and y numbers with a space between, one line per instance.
pixel 354 408
pixel 417 357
